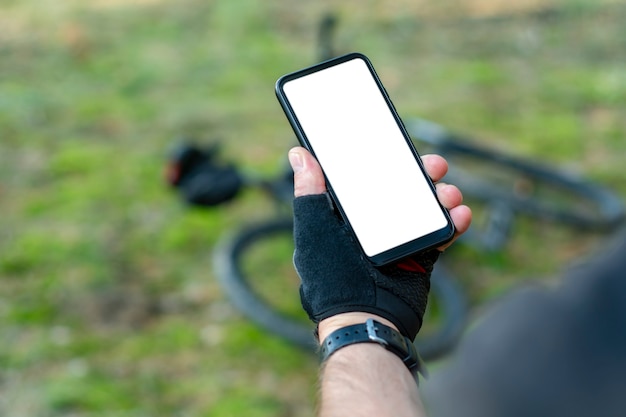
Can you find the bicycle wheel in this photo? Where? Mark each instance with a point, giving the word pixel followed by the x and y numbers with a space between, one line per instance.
pixel 522 185
pixel 446 315
pixel 255 264
pixel 267 248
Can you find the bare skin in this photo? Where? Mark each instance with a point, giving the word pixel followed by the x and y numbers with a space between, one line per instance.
pixel 365 379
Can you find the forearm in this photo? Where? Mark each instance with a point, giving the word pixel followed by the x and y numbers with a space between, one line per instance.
pixel 365 379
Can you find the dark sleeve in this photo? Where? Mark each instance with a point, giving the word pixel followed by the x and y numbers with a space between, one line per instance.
pixel 545 351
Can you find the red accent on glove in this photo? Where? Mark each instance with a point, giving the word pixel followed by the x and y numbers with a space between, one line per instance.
pixel 411 266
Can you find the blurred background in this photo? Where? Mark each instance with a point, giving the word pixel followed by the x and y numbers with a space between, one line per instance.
pixel 108 301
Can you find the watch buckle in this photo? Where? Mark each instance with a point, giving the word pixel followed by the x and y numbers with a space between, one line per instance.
pixel 370 326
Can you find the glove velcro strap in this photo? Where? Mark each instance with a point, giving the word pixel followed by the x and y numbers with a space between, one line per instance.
pixel 403 316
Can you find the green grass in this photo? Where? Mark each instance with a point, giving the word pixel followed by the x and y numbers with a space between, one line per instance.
pixel 108 303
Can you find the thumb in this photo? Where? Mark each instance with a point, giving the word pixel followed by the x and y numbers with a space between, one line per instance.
pixel 307 174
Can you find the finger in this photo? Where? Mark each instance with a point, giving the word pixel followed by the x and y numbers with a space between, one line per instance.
pixel 451 198
pixel 462 218
pixel 307 174
pixel 436 166
pixel 449 195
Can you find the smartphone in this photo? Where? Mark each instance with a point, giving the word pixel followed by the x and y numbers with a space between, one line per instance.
pixel 341 113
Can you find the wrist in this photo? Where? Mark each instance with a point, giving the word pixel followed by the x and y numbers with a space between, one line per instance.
pixel 338 321
pixel 356 328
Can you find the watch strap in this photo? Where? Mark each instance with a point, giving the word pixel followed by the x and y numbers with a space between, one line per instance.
pixel 373 331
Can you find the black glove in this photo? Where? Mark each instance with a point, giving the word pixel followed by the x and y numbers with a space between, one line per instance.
pixel 337 278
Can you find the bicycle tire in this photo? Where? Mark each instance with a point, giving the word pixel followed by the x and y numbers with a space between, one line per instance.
pixel 596 208
pixel 228 268
pixel 238 287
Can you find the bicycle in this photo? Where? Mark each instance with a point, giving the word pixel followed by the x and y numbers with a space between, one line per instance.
pixel 507 186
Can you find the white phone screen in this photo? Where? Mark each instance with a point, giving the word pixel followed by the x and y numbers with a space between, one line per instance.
pixel 365 156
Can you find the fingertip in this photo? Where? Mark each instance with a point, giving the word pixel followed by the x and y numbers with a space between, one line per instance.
pixel 462 218
pixel 449 195
pixel 436 166
pixel 296 159
pixel 308 176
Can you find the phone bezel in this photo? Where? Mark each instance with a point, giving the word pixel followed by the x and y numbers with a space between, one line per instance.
pixel 431 240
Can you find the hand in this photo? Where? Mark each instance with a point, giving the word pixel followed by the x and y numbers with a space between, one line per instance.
pixel 335 277
pixel 309 180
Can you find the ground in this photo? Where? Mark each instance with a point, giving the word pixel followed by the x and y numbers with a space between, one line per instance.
pixel 108 301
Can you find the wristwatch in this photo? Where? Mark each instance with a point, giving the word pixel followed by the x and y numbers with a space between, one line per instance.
pixel 373 331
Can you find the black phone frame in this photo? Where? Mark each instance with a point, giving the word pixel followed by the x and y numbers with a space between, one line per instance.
pixel 422 243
